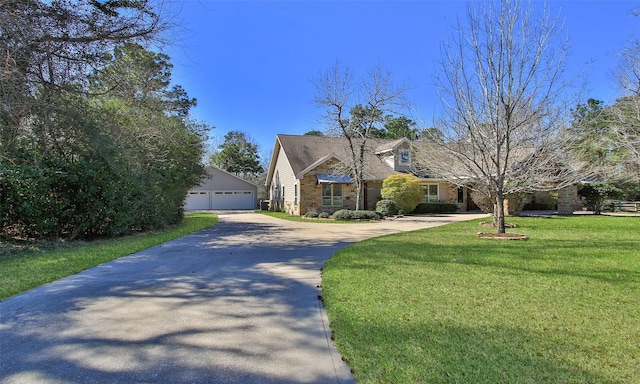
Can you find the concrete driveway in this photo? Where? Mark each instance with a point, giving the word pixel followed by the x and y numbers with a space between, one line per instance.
pixel 235 303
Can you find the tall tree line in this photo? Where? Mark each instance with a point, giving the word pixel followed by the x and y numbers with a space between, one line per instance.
pixel 95 139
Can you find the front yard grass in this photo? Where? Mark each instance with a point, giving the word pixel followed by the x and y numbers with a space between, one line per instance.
pixel 24 270
pixel 442 306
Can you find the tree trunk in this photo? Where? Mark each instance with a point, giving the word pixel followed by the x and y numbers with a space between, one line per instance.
pixel 498 214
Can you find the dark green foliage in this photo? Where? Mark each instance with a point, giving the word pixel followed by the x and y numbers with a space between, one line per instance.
pixel 399 127
pixel 387 207
pixel 103 166
pixel 596 195
pixel 311 214
pixel 238 155
pixel 435 208
pixel 324 215
pixel 630 190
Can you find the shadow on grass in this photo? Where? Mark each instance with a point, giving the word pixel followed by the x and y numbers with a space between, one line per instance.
pixel 444 353
pixel 426 320
pixel 613 262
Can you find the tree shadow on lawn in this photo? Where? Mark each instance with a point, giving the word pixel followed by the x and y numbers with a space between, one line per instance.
pixel 530 257
pixel 450 353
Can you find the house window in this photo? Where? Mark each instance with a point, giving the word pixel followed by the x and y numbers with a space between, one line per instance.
pixel 405 157
pixel 295 193
pixel 431 193
pixel 332 195
pixel 460 194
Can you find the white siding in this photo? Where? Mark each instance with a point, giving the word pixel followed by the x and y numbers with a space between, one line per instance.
pixel 282 177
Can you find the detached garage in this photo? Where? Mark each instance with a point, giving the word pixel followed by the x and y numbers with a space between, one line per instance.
pixel 221 190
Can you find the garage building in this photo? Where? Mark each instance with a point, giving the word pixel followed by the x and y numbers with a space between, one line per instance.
pixel 221 190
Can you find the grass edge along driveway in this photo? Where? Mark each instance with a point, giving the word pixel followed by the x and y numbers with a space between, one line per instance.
pixel 26 270
pixel 442 306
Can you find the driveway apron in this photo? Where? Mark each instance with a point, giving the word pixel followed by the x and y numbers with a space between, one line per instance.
pixel 235 303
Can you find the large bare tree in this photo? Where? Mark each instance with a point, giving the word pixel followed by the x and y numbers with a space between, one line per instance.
pixel 625 113
pixel 502 82
pixel 354 110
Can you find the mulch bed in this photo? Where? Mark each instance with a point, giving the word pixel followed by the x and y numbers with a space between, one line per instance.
pixel 502 236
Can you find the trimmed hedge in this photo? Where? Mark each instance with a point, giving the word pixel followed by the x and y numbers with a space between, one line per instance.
pixel 435 208
pixel 345 214
pixel 311 215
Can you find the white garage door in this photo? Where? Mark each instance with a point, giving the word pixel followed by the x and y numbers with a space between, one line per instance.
pixel 232 200
pixel 197 200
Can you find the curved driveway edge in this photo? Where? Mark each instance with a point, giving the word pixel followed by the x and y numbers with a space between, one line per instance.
pixel 234 303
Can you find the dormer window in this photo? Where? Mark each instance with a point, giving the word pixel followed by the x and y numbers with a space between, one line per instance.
pixel 405 157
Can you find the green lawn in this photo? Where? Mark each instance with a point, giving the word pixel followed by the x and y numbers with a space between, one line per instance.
pixel 442 306
pixel 28 269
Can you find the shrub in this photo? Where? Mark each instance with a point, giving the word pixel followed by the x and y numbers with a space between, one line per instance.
pixel 404 189
pixel 346 214
pixel 364 215
pixel 343 214
pixel 435 208
pixel 516 203
pixel 324 215
pixel 311 214
pixel 387 207
pixel 596 194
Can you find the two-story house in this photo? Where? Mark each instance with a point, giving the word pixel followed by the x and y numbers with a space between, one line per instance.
pixel 305 174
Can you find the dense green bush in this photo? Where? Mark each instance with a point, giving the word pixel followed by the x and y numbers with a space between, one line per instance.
pixel 324 215
pixel 106 163
pixel 311 214
pixel 387 207
pixel 435 208
pixel 596 195
pixel 404 189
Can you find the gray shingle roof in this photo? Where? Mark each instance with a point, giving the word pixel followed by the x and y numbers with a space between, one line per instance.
pixel 303 151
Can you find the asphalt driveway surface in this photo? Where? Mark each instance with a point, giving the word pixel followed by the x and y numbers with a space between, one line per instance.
pixel 235 303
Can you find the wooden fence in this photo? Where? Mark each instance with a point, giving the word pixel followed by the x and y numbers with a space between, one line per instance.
pixel 626 206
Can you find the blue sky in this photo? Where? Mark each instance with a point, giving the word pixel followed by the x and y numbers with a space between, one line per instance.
pixel 250 64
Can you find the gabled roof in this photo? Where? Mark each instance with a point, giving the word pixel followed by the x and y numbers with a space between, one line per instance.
pixel 215 174
pixel 305 153
pixel 391 145
pixel 317 163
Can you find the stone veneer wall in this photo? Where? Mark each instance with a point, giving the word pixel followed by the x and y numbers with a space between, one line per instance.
pixel 567 200
pixel 310 196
